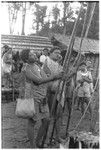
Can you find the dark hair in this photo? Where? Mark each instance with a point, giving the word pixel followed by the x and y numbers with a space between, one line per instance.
pixel 54 48
pixel 83 63
pixel 16 56
pixel 24 55
pixel 45 49
pixel 6 49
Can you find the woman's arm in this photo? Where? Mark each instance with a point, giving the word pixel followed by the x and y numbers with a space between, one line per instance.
pixel 38 79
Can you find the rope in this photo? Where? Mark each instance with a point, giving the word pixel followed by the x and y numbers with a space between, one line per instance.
pixel 87 105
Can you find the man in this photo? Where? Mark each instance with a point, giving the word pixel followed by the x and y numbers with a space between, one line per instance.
pixel 43 60
pixel 53 67
pixel 84 80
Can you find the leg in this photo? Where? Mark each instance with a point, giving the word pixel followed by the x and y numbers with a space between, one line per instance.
pixel 87 99
pixel 69 104
pixel 50 98
pixel 58 120
pixel 42 132
pixel 30 132
pixel 45 134
pixel 82 104
pixel 78 103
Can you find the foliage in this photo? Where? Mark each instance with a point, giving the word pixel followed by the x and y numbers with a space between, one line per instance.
pixel 45 30
pixel 23 17
pixel 94 28
pixel 40 14
pixel 67 15
pixel 13 9
pixel 56 14
pixel 62 25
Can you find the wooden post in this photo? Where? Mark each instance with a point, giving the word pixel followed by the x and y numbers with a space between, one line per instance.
pixel 68 54
pixel 65 67
pixel 91 16
pixel 76 62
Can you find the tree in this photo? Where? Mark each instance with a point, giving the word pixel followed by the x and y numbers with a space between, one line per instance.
pixel 40 14
pixel 13 9
pixel 94 28
pixel 23 17
pixel 93 32
pixel 67 15
pixel 56 14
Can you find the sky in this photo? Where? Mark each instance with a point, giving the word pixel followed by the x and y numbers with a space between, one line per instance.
pixel 29 17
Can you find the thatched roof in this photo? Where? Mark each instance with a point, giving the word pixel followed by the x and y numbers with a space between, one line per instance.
pixel 26 42
pixel 88 45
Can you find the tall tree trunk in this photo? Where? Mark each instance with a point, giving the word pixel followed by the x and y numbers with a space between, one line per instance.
pixel 10 26
pixel 64 18
pixel 23 18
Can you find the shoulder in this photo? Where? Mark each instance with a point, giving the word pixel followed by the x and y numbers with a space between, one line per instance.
pixel 79 72
pixel 33 71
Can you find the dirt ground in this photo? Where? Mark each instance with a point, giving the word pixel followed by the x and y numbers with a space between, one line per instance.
pixel 14 129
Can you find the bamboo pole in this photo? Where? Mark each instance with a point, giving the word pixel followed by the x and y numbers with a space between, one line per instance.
pixel 68 54
pixel 91 13
pixel 65 67
pixel 78 58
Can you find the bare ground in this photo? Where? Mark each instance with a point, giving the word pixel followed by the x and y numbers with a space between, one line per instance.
pixel 14 129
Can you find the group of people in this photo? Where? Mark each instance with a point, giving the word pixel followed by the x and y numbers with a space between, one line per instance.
pixel 10 63
pixel 40 79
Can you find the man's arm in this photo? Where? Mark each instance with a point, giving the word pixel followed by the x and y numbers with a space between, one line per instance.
pixel 87 79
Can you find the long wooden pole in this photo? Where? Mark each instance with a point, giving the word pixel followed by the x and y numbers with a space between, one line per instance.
pixel 65 65
pixel 68 54
pixel 91 16
pixel 77 60
pixel 79 54
pixel 78 57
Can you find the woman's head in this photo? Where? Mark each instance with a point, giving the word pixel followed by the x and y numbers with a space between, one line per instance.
pixel 28 56
pixel 6 49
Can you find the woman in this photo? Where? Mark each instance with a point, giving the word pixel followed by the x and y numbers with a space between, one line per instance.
pixel 33 78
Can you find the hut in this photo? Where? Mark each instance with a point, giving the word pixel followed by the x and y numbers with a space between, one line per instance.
pixel 18 43
pixel 89 47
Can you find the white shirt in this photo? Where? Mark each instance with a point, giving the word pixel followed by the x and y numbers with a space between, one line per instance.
pixel 87 88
